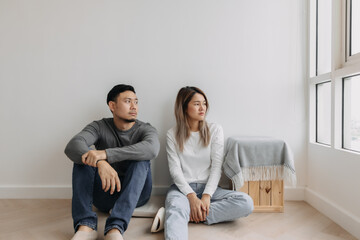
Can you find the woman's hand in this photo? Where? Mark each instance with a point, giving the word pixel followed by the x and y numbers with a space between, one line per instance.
pixel 109 177
pixel 197 214
pixel 205 199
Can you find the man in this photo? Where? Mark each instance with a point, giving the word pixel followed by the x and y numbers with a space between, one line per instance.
pixel 117 175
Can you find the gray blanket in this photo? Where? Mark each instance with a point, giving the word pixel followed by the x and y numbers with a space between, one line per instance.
pixel 258 158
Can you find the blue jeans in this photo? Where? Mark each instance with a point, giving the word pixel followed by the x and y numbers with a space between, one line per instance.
pixel 225 205
pixel 136 186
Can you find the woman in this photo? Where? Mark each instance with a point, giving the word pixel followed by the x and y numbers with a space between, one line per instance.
pixel 195 154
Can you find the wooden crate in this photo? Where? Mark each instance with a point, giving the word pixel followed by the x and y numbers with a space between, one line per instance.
pixel 268 196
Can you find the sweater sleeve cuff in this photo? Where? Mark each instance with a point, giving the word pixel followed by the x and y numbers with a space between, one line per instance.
pixel 186 190
pixel 109 156
pixel 209 191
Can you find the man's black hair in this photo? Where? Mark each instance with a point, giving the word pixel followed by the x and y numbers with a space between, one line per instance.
pixel 116 90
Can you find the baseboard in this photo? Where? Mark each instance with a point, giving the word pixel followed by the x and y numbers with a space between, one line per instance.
pixel 35 192
pixel 51 192
pixel 64 192
pixel 294 193
pixel 160 190
pixel 336 213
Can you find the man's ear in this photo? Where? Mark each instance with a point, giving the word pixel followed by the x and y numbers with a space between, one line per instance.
pixel 112 106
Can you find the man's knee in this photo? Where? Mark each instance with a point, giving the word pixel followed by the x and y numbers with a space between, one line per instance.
pixel 82 173
pixel 138 168
pixel 139 165
pixel 82 168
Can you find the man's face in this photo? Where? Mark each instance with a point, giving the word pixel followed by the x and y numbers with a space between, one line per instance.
pixel 125 107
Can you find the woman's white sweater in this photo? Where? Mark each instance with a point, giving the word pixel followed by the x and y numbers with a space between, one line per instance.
pixel 196 164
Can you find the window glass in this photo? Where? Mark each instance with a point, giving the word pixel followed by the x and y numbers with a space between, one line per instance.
pixel 323 113
pixel 351 117
pixel 313 45
pixel 355 27
pixel 323 36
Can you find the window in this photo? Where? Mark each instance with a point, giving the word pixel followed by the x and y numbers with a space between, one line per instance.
pixel 334 74
pixel 323 113
pixel 320 37
pixel 354 27
pixel 324 36
pixel 351 113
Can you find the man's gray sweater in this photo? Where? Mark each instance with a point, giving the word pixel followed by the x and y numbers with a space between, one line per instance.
pixel 140 142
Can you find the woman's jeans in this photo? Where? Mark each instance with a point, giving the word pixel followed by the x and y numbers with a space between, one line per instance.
pixel 136 185
pixel 225 205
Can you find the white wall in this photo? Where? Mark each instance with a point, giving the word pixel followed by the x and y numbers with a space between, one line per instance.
pixel 334 173
pixel 58 60
pixel 333 185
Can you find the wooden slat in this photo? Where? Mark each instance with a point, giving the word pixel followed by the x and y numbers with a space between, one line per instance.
pixel 245 188
pixel 277 193
pixel 265 193
pixel 254 192
pixel 268 196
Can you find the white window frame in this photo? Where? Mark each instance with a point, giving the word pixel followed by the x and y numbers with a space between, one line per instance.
pixel 356 57
pixel 316 112
pixel 342 66
pixel 343 115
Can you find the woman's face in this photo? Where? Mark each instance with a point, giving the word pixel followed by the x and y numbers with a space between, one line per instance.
pixel 196 109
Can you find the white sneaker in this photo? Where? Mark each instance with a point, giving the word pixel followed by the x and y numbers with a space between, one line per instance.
pixel 82 235
pixel 159 219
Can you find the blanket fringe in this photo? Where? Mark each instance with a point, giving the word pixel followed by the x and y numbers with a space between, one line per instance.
pixel 264 173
